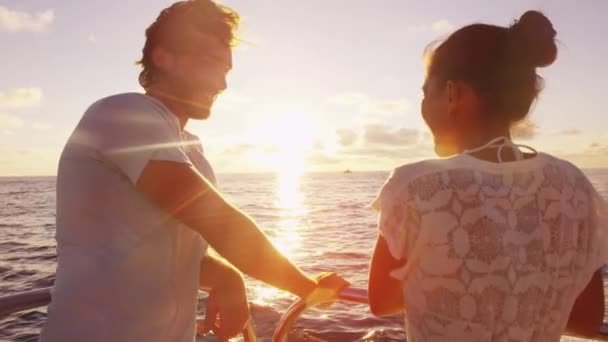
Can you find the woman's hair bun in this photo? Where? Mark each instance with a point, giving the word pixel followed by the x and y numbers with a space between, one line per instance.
pixel 533 39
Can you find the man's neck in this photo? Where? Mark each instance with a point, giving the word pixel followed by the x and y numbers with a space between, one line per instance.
pixel 174 106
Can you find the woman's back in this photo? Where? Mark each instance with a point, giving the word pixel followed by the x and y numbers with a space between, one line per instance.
pixel 494 251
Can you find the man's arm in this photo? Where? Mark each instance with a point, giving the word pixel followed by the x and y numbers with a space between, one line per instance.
pixel 587 314
pixel 385 292
pixel 184 193
pixel 216 272
pixel 227 297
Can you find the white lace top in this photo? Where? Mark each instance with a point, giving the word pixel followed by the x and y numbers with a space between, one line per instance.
pixel 493 252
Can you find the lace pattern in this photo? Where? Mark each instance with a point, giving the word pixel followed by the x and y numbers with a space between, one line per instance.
pixel 493 252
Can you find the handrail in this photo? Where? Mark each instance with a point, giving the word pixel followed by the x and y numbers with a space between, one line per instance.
pixel 354 295
pixel 24 301
pixel 36 298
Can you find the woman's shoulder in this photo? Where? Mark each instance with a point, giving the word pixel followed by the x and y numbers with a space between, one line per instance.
pixel 546 164
pixel 411 171
pixel 565 166
pixel 559 168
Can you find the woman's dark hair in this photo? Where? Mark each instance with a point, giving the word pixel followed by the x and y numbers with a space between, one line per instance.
pixel 498 62
pixel 178 24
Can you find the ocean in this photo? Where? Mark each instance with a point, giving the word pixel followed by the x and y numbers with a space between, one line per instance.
pixel 321 221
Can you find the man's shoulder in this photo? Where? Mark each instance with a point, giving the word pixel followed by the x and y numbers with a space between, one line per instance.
pixel 126 101
pixel 128 118
pixel 128 109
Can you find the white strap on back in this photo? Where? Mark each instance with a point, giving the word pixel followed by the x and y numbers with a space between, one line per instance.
pixel 500 143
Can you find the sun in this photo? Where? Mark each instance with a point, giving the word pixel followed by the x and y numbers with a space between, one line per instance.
pixel 287 139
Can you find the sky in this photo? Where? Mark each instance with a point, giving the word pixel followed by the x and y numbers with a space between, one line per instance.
pixel 318 85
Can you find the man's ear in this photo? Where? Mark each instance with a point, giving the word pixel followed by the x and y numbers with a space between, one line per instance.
pixel 162 58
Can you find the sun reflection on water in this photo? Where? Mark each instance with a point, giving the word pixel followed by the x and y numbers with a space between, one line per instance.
pixel 289 203
pixel 286 234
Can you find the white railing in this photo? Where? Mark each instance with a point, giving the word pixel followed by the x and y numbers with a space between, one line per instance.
pixel 24 301
pixel 36 298
pixel 292 314
pixel 354 295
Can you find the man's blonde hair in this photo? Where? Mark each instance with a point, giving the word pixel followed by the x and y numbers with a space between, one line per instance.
pixel 177 26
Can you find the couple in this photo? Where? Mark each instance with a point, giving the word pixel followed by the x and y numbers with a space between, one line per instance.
pixel 488 244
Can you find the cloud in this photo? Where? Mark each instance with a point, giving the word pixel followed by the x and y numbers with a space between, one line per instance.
pixel 318 145
pixel 442 26
pixel 15 21
pixel 367 105
pixel 368 157
pixel 9 122
pixel 20 97
pixel 396 106
pixel 525 130
pixel 41 126
pixel 239 149
pixel 322 159
pixel 379 134
pixel 571 131
pixel 350 99
pixel 231 100
pixel 417 28
pixel 438 26
pixel 598 148
pixel 92 38
pixel 387 156
pixel 392 152
pixel 346 136
pixel 29 161
pixel 595 156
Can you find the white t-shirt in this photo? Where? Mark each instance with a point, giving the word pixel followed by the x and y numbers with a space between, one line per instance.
pixel 493 252
pixel 127 271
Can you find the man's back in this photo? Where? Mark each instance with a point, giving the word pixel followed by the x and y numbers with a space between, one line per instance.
pixel 117 252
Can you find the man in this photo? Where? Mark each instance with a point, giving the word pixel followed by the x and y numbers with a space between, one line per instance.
pixel 136 206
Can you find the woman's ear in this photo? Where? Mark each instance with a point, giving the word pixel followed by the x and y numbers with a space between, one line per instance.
pixel 452 98
pixel 453 91
pixel 464 104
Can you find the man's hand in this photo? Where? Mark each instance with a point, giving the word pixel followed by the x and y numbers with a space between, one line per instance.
pixel 227 310
pixel 329 285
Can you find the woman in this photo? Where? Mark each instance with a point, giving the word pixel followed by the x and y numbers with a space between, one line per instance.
pixel 491 243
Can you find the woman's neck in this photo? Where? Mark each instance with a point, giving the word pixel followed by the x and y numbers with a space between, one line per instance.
pixel 475 142
pixel 482 134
